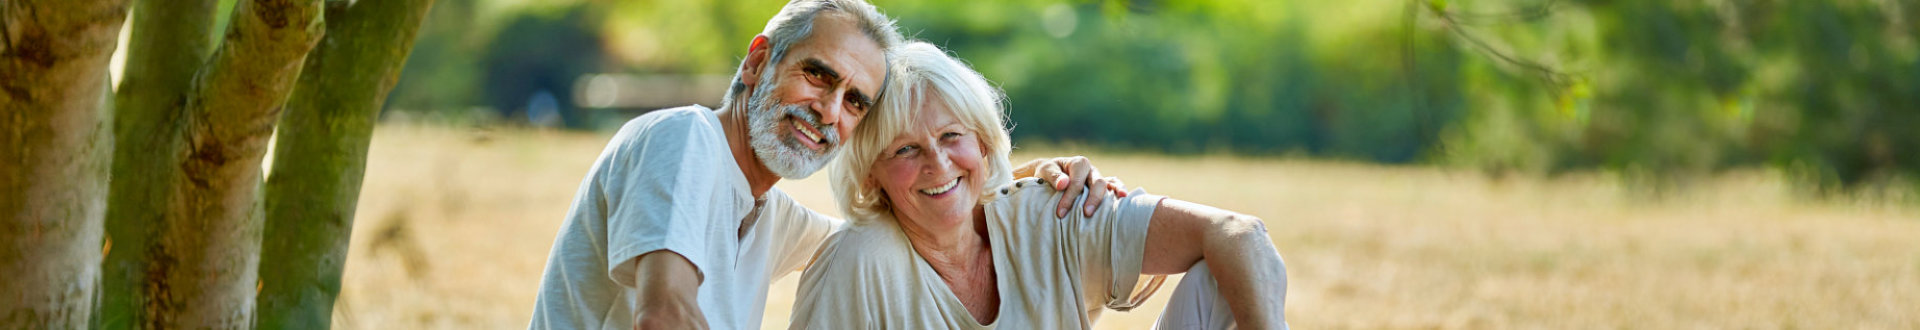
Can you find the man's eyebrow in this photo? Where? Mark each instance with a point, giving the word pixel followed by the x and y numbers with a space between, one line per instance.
pixel 854 94
pixel 822 67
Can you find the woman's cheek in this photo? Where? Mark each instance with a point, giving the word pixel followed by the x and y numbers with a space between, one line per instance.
pixel 895 176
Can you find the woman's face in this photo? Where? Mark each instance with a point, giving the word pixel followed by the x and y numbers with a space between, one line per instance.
pixel 932 172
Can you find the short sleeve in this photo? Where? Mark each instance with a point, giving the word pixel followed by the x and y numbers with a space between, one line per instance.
pixel 801 232
pixel 1107 247
pixel 1122 222
pixel 663 182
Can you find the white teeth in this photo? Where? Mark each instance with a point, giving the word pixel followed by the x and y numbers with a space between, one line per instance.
pixel 797 125
pixel 942 190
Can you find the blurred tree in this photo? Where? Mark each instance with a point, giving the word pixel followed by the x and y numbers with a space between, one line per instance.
pixel 442 75
pixel 541 53
pixel 1664 90
pixel 1676 89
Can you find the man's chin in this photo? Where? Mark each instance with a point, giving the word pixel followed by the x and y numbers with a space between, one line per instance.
pixel 791 166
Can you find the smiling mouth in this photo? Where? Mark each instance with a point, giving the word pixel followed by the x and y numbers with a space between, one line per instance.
pixel 808 131
pixel 942 189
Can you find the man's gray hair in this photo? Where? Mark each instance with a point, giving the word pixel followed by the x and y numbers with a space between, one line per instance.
pixel 795 23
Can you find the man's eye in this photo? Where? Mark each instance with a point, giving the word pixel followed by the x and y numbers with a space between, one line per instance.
pixel 858 108
pixel 813 75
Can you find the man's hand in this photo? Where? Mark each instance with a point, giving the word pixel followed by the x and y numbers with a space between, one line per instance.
pixel 1072 174
pixel 669 290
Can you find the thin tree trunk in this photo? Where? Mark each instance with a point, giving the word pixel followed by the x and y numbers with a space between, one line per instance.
pixel 321 155
pixel 213 225
pixel 170 41
pixel 55 147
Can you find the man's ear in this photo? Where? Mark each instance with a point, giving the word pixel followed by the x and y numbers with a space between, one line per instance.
pixel 756 62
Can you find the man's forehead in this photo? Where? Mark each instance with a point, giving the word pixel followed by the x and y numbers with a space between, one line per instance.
pixel 841 46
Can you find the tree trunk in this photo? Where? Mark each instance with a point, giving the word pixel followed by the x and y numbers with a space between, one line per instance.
pixel 212 229
pixel 55 147
pixel 321 155
pixel 169 42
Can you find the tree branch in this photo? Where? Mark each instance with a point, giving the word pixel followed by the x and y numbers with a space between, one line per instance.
pixel 55 145
pixel 169 42
pixel 213 226
pixel 321 156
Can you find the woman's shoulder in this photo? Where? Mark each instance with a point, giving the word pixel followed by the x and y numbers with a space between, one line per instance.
pixel 1022 193
pixel 865 246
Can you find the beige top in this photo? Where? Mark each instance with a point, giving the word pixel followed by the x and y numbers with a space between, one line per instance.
pixel 1053 273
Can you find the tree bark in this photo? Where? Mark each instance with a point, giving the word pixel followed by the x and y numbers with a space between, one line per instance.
pixel 55 148
pixel 169 42
pixel 212 232
pixel 321 155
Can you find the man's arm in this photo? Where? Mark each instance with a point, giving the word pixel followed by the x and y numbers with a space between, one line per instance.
pixel 1061 171
pixel 668 291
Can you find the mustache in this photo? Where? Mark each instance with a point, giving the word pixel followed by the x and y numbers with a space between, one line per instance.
pixel 810 119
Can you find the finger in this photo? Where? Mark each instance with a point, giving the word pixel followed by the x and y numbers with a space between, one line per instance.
pixel 1082 170
pixel 1096 190
pixel 1096 194
pixel 1119 188
pixel 1066 200
pixel 1051 172
pixel 1060 183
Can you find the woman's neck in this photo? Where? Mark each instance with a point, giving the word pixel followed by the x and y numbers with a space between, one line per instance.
pixel 963 258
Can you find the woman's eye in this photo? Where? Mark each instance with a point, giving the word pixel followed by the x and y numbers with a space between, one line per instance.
pixel 949 135
pixel 905 151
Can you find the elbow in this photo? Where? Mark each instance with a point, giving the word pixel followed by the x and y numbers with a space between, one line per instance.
pixel 1242 227
pixel 1246 235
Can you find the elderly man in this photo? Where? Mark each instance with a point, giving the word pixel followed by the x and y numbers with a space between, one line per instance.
pixel 677 225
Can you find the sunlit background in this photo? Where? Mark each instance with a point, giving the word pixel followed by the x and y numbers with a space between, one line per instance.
pixel 1422 163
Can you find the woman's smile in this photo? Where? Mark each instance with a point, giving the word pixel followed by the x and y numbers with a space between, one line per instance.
pixel 937 192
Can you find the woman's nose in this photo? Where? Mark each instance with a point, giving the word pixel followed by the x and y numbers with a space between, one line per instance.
pixel 940 162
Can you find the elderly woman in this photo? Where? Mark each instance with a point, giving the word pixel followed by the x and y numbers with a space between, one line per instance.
pixel 940 236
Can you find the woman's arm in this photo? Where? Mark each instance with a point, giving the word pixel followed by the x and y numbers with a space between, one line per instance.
pixel 1243 260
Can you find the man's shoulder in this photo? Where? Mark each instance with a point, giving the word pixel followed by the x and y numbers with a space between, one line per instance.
pixel 679 121
pixel 674 129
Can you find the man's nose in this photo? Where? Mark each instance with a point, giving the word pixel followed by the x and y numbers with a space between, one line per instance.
pixel 828 108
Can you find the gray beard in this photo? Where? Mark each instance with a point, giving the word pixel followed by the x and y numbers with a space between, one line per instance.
pixel 776 148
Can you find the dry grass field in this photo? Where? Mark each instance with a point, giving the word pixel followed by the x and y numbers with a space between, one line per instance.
pixel 454 227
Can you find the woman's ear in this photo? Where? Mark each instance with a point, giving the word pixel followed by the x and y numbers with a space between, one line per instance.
pixel 756 62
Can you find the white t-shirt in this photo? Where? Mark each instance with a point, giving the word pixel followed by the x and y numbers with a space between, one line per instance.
pixel 1052 273
pixel 667 181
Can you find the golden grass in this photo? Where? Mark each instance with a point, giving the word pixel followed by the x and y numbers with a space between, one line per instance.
pixel 454 228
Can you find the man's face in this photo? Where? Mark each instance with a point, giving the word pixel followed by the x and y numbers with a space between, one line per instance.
pixel 819 91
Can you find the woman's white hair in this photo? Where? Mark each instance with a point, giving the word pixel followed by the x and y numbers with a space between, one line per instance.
pixel 922 74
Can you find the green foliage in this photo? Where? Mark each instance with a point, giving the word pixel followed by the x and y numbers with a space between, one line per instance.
pixel 1824 88
pixel 1655 88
